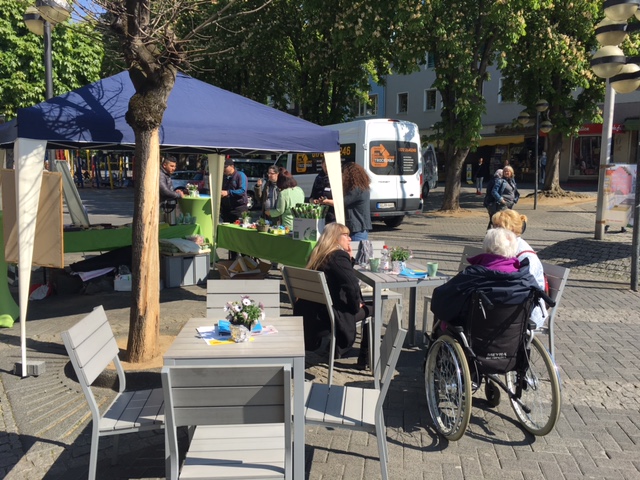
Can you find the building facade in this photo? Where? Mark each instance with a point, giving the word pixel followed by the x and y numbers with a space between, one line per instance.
pixel 413 98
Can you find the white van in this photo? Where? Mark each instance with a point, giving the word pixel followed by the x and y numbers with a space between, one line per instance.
pixel 389 150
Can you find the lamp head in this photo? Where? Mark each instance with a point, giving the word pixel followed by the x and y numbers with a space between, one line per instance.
pixel 542 105
pixel 546 126
pixel 610 32
pixel 620 10
pixel 628 80
pixel 54 11
pixel 34 21
pixel 608 61
pixel 523 118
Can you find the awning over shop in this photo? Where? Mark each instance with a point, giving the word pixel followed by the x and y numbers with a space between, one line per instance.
pixel 502 140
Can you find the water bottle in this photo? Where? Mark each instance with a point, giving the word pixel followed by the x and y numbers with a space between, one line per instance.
pixel 385 259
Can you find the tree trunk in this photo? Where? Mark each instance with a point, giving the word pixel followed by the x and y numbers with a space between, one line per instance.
pixel 552 172
pixel 455 163
pixel 144 320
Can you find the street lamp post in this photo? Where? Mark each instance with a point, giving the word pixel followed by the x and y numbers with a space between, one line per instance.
pixel 40 20
pixel 623 74
pixel 524 118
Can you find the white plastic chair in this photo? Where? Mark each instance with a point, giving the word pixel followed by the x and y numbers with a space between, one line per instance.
pixel 92 347
pixel 358 408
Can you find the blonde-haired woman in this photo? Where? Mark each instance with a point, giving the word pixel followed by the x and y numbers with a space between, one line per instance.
pixel 333 256
pixel 513 221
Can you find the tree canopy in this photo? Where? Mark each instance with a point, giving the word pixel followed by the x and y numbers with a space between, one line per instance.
pixel 76 54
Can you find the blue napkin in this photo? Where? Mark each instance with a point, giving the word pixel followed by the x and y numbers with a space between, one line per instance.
pixel 412 273
pixel 224 328
pixel 257 328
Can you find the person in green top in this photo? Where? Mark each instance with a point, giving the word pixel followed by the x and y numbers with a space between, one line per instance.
pixel 290 195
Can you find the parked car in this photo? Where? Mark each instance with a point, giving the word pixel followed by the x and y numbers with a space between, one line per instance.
pixel 182 177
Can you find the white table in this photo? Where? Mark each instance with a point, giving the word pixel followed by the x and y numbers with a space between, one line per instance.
pixel 380 281
pixel 283 348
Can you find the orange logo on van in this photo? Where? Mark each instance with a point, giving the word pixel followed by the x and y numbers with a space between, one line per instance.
pixel 380 157
pixel 303 163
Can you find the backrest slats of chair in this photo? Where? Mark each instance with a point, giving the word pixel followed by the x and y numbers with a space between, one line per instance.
pixel 307 285
pixel 468 251
pixel 557 278
pixel 376 244
pixel 219 292
pixel 391 345
pixel 91 345
pixel 226 395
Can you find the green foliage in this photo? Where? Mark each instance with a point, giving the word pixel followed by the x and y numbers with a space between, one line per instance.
pixel 551 61
pixel 315 56
pixel 76 59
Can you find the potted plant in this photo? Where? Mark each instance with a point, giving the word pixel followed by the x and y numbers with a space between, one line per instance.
pixel 399 255
pixel 246 218
pixel 243 315
pixel 193 190
pixel 262 225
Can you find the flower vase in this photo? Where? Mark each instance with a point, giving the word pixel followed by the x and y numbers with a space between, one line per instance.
pixel 397 266
pixel 240 333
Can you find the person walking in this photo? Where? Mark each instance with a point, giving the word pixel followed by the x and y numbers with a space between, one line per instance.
pixel 481 171
pixel 543 166
pixel 502 192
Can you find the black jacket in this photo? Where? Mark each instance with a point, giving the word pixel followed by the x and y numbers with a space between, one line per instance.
pixel 322 188
pixel 450 302
pixel 346 296
pixel 166 187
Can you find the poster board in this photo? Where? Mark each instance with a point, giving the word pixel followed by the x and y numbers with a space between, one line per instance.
pixel 48 248
pixel 619 194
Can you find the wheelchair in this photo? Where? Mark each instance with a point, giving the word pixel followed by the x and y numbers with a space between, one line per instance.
pixel 496 346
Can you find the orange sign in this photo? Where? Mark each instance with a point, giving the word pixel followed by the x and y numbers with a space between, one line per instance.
pixel 380 157
pixel 303 163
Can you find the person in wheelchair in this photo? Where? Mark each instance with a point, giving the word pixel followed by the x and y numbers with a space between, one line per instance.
pixel 484 334
pixel 497 273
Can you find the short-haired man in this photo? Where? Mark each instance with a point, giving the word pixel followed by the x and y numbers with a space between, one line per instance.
pixel 234 193
pixel 167 192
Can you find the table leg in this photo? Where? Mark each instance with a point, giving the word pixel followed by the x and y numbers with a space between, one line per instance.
pixel 413 309
pixel 298 417
pixel 377 333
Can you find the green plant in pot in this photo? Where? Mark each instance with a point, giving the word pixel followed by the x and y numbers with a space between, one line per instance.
pixel 262 225
pixel 399 255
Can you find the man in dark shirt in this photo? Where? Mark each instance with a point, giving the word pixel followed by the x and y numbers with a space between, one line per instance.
pixel 167 192
pixel 234 193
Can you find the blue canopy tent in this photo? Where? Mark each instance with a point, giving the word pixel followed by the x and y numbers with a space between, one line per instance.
pixel 199 118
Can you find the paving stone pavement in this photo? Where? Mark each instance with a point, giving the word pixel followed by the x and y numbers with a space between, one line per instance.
pixel 45 424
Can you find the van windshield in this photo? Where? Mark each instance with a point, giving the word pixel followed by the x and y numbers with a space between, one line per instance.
pixel 393 158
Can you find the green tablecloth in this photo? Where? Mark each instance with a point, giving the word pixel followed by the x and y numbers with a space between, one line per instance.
pixel 93 240
pixel 281 249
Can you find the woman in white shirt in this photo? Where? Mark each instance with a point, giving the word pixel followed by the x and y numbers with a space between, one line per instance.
pixel 512 220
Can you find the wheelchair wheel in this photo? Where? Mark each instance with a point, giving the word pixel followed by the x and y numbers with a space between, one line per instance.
pixel 448 387
pixel 492 393
pixel 540 392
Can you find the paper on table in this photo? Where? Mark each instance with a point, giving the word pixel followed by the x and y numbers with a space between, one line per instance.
pixel 211 336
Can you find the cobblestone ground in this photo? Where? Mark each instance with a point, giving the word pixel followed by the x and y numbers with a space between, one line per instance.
pixel 45 421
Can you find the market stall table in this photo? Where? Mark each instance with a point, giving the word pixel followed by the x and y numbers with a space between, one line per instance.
pixel 277 248
pixel 286 347
pixel 103 239
pixel 199 208
pixel 380 281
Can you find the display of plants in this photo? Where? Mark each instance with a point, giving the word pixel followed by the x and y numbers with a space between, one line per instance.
pixel 399 254
pixel 309 210
pixel 244 312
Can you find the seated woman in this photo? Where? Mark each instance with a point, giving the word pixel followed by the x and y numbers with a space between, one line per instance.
pixel 290 195
pixel 333 256
pixel 513 221
pixel 497 271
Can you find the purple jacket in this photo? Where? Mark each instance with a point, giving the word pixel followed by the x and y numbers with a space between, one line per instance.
pixel 496 262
